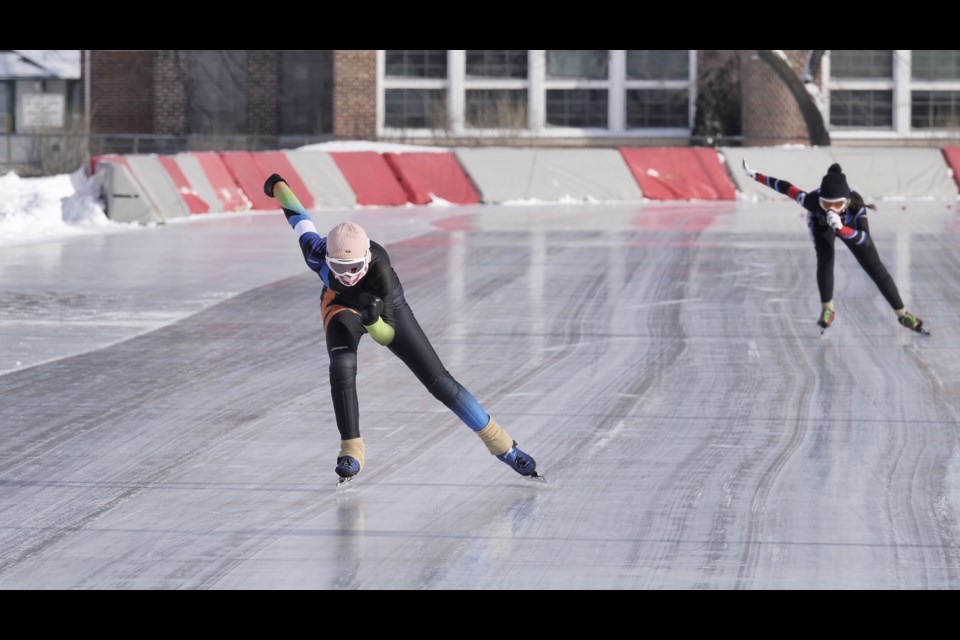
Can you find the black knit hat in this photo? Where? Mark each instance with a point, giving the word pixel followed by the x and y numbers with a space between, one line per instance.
pixel 834 184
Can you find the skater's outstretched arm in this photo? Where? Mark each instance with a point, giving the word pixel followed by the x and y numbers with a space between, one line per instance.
pixel 784 187
pixel 314 246
pixel 809 201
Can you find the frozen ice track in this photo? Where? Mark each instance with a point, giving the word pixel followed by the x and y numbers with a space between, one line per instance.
pixel 661 363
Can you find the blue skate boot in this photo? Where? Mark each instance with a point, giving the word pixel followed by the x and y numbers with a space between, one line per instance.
pixel 347 467
pixel 522 463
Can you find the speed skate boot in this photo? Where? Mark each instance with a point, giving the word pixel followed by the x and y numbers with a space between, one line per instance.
pixel 501 445
pixel 913 323
pixel 522 463
pixel 826 319
pixel 350 460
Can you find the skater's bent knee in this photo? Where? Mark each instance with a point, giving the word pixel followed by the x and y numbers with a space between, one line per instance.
pixel 343 366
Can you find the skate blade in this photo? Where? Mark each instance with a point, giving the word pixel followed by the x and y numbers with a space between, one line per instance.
pixel 345 483
pixel 536 477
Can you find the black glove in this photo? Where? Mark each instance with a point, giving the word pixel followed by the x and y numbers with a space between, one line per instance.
pixel 371 307
pixel 271 183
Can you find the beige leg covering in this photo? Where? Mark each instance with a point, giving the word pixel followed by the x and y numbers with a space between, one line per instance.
pixel 354 448
pixel 900 312
pixel 827 305
pixel 496 438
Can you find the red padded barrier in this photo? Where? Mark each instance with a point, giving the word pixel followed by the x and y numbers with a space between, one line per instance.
pixel 679 173
pixel 250 177
pixel 195 204
pixel 370 177
pixel 424 173
pixel 952 156
pixel 228 191
pixel 271 162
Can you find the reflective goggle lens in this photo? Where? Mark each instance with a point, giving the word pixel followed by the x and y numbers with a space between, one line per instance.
pixel 342 267
pixel 837 205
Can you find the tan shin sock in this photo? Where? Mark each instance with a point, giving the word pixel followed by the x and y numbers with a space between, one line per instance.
pixel 354 448
pixel 496 438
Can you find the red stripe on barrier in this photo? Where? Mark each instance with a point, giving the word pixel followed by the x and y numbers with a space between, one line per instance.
pixel 952 156
pixel 271 162
pixel 195 204
pixel 248 174
pixel 439 174
pixel 224 185
pixel 371 178
pixel 681 173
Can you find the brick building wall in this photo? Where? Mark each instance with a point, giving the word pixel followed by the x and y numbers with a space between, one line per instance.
pixel 170 93
pixel 263 92
pixel 121 97
pixel 355 95
pixel 770 113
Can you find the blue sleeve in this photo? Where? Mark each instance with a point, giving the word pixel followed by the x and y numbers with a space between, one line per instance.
pixel 313 246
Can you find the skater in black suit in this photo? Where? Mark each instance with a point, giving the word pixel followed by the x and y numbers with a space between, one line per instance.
pixel 825 206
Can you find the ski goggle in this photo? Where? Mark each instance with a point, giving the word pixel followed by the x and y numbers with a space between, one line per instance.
pixel 344 267
pixel 837 205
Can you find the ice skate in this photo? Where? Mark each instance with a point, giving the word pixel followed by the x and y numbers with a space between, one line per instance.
pixel 522 463
pixel 825 319
pixel 913 323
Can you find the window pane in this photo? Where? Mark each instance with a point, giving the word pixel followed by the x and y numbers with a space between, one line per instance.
pixel 861 108
pixel 935 109
pixel 861 64
pixel 582 63
pixel 416 108
pixel 307 81
pixel 658 65
pixel 218 96
pixel 496 108
pixel 416 63
pixel 501 63
pixel 658 108
pixel 935 65
pixel 577 107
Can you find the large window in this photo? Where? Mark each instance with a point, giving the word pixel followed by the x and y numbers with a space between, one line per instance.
pixel 415 89
pixel 894 93
pixel 218 95
pixel 552 93
pixel 306 106
pixel 578 88
pixel 658 88
pixel 861 95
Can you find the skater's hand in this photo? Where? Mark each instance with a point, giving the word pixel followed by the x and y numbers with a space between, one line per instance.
pixel 271 183
pixel 834 221
pixel 750 172
pixel 371 307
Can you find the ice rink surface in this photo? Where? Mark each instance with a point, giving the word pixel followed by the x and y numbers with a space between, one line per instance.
pixel 165 415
